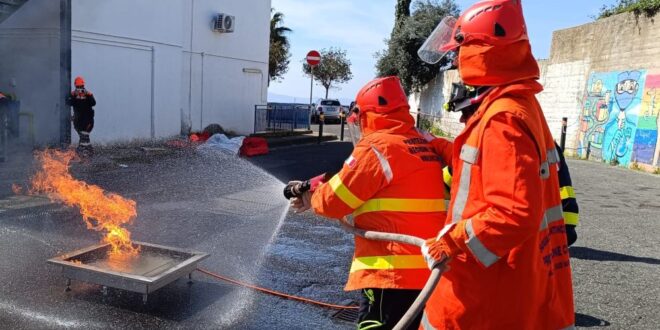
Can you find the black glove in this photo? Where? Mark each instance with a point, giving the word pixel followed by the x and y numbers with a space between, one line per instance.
pixel 571 234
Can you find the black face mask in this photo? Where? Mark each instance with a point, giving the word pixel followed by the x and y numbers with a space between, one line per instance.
pixel 465 99
pixel 449 61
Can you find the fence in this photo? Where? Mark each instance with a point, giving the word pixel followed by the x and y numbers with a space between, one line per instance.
pixel 281 117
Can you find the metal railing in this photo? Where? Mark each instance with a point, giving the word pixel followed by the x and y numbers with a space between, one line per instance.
pixel 281 117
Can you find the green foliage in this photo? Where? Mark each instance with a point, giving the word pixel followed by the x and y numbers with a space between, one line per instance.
pixel 635 166
pixel 335 68
pixel 428 125
pixel 409 33
pixel 279 56
pixel 440 133
pixel 425 124
pixel 656 170
pixel 647 7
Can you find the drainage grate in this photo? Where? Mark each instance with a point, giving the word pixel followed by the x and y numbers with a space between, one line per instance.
pixel 347 315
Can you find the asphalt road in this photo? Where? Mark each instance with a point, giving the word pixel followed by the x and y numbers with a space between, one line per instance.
pixel 231 208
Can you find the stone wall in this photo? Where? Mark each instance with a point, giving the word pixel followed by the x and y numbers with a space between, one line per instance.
pixel 604 77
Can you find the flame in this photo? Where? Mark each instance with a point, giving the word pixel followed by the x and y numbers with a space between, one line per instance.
pixel 17 189
pixel 102 211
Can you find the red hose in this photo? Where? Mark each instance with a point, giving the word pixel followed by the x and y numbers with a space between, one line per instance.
pixel 274 293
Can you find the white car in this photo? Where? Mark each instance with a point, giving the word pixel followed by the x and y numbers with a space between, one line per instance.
pixel 330 109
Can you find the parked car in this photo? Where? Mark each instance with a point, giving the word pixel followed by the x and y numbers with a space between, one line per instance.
pixel 329 108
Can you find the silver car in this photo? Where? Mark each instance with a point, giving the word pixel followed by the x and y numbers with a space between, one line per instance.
pixel 330 109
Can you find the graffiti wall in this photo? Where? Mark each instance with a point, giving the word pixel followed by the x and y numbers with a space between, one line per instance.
pixel 620 116
pixel 646 149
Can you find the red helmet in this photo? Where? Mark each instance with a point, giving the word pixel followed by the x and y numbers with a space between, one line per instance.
pixel 381 95
pixel 493 22
pixel 79 82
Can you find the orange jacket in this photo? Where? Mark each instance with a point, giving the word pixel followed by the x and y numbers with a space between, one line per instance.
pixel 516 270
pixel 385 185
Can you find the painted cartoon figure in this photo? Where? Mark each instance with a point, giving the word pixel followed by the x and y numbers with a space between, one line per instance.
pixel 627 88
pixel 620 129
pixel 621 141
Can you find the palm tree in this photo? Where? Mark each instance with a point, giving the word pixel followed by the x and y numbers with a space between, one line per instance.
pixel 278 62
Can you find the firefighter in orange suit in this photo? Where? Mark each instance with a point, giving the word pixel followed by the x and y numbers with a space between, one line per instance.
pixel 383 184
pixel 504 233
pixel 82 101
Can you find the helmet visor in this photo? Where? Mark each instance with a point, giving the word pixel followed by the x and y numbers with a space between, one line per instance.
pixel 439 42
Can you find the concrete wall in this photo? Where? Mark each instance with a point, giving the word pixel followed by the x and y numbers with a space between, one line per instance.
pixel 159 70
pixel 30 65
pixel 431 99
pixel 605 78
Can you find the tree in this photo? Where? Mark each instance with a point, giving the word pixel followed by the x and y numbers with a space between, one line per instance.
pixel 279 56
pixel 335 68
pixel 647 7
pixel 409 33
pixel 401 13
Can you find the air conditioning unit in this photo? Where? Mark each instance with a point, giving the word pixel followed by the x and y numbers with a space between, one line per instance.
pixel 224 23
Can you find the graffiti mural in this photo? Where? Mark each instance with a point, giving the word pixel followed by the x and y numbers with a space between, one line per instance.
pixel 609 117
pixel 647 141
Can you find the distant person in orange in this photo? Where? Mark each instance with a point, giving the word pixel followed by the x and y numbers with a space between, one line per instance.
pixel 82 101
pixel 384 185
pixel 505 234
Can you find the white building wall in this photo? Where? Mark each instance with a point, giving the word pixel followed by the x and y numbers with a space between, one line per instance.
pixel 30 65
pixel 229 70
pixel 114 43
pixel 136 58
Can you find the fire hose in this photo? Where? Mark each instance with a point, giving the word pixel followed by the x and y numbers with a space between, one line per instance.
pixel 419 303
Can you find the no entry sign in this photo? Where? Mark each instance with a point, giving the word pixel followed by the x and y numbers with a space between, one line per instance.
pixel 313 58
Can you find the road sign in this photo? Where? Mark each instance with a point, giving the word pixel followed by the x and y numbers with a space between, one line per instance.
pixel 313 58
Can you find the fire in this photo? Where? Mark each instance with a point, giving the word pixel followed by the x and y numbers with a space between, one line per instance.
pixel 17 189
pixel 102 211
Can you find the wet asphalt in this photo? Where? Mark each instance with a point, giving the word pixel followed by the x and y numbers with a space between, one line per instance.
pixel 218 204
pixel 231 208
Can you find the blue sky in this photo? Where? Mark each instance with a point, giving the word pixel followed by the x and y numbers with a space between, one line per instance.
pixel 360 27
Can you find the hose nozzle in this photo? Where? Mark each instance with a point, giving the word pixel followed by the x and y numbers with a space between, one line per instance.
pixel 296 189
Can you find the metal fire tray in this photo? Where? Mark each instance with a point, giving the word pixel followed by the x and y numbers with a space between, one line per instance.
pixel 153 268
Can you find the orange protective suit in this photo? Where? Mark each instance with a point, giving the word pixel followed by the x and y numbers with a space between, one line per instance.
pixel 514 270
pixel 385 185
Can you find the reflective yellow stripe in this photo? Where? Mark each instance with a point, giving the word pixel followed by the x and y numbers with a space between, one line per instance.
pixel 446 176
pixel 401 205
pixel 389 262
pixel 344 194
pixel 567 192
pixel 571 218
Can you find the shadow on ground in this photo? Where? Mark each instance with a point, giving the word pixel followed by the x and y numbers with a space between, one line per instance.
pixel 586 253
pixel 176 302
pixel 587 321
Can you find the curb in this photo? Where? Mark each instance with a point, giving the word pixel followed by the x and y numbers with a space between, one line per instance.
pixel 299 140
